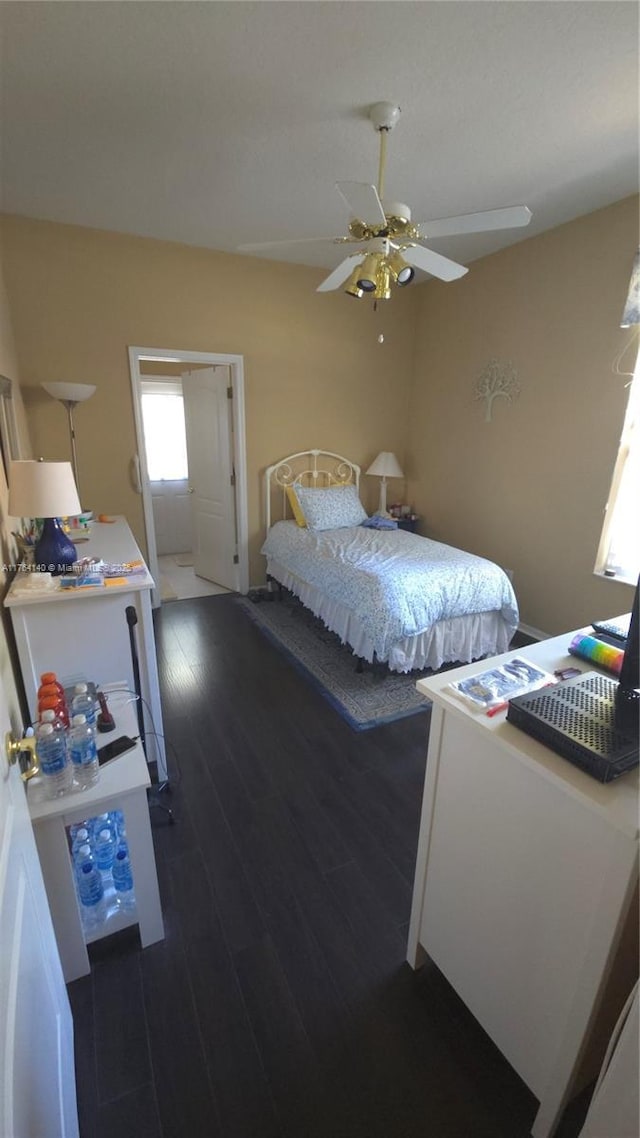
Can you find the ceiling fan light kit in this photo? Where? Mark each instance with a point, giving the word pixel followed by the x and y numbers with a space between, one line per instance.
pixel 368 272
pixel 352 288
pixel 401 273
pixel 390 242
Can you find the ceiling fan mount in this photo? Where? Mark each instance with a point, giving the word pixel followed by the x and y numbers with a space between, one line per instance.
pixel 384 116
pixel 391 243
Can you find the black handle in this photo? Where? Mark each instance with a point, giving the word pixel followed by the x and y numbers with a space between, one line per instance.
pixel 132 620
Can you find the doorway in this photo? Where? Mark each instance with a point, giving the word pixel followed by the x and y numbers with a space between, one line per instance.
pixel 190 469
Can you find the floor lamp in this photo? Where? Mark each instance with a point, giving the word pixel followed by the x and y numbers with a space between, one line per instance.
pixel 70 394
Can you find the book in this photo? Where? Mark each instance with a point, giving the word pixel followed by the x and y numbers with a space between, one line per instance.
pixel 88 581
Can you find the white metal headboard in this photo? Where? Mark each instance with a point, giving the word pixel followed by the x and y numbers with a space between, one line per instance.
pixel 314 468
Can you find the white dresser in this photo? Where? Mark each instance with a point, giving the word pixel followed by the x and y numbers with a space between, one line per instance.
pixel 526 873
pixel 82 634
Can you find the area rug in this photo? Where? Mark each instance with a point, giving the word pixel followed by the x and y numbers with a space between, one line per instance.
pixel 365 699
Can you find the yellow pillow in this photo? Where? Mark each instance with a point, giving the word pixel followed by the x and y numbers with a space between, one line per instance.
pixel 295 506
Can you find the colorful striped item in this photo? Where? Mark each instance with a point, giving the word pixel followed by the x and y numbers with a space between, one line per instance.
pixel 604 655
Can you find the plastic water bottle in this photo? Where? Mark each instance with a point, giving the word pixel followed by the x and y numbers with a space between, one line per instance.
pixel 104 850
pixel 81 854
pixel 86 824
pixel 83 753
pixel 102 822
pixel 49 715
pixel 51 690
pixel 123 879
pixel 81 838
pixel 51 750
pixel 91 893
pixel 116 819
pixel 83 703
pixel 48 680
pixel 54 702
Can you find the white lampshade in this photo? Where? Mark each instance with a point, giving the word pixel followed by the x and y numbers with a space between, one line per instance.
pixel 71 392
pixel 42 490
pixel 386 465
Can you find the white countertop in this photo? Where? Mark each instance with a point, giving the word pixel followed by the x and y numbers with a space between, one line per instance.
pixel 112 542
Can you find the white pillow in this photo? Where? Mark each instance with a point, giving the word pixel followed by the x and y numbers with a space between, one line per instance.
pixel 332 507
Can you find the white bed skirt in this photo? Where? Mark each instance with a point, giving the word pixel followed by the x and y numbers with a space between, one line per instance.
pixel 458 640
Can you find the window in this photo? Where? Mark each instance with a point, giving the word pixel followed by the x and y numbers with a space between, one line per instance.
pixel 619 551
pixel 164 432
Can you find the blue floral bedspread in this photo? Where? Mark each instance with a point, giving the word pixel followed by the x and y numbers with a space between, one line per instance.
pixel 397 583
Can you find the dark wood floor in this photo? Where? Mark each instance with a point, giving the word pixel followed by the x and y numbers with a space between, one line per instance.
pixel 280 1003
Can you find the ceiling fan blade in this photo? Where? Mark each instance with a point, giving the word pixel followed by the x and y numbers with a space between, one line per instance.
pixel 363 202
pixel 255 248
pixel 433 263
pixel 511 217
pixel 340 274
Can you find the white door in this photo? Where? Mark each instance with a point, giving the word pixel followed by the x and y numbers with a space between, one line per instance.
pixel 208 421
pixel 37 1078
pixel 172 515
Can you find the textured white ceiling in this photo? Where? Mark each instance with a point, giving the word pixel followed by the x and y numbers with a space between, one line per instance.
pixel 221 123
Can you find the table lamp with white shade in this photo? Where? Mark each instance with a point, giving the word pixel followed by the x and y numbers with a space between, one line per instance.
pixel 46 490
pixel 385 466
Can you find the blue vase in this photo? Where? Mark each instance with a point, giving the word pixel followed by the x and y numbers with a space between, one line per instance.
pixel 54 553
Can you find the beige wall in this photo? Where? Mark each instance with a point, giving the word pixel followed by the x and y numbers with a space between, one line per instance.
pixel 315 374
pixel 529 488
pixel 9 368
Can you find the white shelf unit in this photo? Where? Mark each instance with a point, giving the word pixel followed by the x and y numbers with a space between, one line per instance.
pixel 122 786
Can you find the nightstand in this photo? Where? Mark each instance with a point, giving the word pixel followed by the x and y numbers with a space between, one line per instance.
pixel 408 524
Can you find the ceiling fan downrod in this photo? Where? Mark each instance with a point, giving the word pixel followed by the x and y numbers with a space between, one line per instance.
pixel 384 117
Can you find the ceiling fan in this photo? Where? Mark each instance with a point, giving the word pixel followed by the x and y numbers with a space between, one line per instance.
pixel 390 243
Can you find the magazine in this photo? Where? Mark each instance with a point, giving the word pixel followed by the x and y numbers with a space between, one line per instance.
pixel 498 685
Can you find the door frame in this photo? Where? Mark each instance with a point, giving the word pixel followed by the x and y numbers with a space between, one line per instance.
pixel 238 450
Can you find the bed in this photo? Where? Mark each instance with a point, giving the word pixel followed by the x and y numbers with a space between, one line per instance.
pixel 392 596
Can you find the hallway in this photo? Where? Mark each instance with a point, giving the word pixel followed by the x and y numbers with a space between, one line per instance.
pixel 178 581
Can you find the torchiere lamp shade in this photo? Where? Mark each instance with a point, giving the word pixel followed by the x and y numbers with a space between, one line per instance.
pixel 70 394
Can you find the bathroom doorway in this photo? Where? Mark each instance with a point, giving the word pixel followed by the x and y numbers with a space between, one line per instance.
pixel 191 470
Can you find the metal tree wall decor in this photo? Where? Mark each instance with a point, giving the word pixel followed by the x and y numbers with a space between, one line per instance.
pixel 497 380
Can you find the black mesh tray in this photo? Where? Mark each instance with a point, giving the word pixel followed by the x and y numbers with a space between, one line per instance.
pixel 578 720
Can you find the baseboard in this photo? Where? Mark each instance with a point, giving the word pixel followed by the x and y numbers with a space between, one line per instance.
pixel 261 592
pixel 534 633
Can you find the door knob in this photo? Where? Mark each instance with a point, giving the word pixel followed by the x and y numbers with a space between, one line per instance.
pixel 191 490
pixel 15 747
